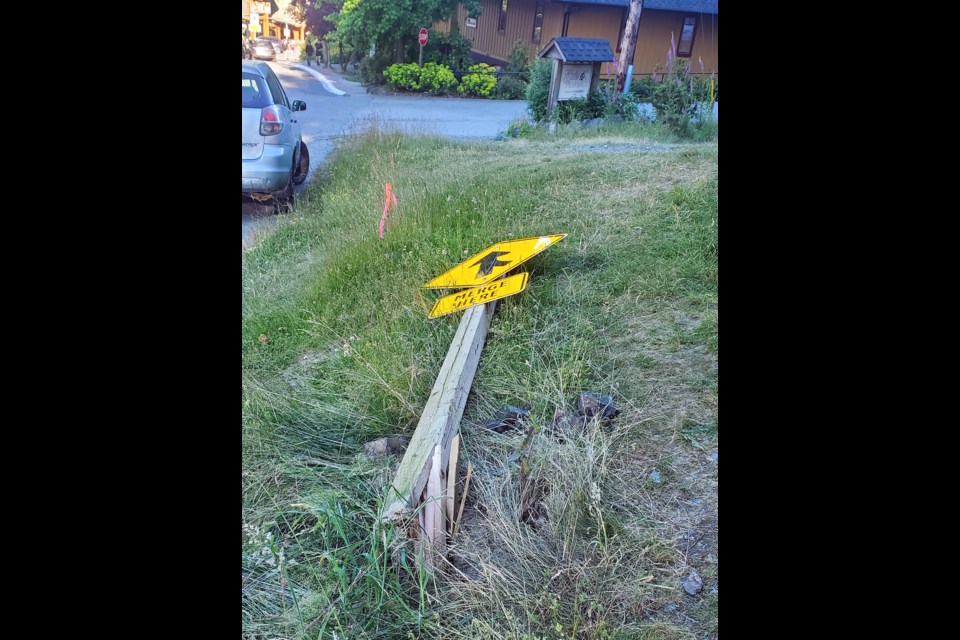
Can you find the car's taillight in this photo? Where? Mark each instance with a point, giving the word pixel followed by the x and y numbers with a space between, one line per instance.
pixel 270 121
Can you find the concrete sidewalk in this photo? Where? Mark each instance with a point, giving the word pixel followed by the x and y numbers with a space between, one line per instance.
pixel 332 80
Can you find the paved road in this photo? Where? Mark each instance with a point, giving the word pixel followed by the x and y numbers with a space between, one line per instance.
pixel 329 115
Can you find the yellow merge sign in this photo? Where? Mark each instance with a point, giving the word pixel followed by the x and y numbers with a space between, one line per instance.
pixel 479 295
pixel 493 262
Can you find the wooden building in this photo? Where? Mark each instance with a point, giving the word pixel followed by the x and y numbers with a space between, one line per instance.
pixel 693 23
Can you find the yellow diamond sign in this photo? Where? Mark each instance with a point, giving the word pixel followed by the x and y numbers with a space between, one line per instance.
pixel 479 295
pixel 493 262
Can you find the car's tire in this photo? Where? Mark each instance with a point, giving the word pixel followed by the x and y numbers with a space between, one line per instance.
pixel 283 199
pixel 303 167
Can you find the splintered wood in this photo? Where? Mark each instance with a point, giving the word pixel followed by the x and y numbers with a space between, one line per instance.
pixel 427 474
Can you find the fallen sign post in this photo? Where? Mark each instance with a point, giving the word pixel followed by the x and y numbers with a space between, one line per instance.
pixel 424 483
pixel 480 295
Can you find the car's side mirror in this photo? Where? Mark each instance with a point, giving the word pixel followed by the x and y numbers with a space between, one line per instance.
pixel 299 105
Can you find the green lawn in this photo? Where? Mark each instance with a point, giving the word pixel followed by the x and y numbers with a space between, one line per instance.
pixel 566 534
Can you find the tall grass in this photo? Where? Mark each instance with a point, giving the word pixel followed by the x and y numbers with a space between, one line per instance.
pixel 564 534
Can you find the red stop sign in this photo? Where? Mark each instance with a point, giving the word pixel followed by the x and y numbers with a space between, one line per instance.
pixel 423 36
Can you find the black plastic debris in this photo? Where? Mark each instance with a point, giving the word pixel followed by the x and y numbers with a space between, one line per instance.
pixel 594 404
pixel 508 419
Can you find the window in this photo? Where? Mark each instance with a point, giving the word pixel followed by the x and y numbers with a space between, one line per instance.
pixel 538 22
pixel 279 97
pixel 685 46
pixel 252 92
pixel 503 16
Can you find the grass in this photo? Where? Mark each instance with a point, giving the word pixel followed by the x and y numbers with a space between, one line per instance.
pixel 565 535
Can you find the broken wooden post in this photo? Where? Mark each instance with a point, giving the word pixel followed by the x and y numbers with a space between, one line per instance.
pixel 428 453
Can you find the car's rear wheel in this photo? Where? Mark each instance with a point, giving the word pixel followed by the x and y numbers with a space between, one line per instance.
pixel 283 199
pixel 303 167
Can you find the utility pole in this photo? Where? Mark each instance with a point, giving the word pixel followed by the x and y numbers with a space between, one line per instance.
pixel 629 43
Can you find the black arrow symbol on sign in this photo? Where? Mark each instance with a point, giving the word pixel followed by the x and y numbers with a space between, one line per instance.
pixel 489 261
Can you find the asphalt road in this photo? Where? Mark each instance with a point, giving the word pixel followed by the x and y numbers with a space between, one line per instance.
pixel 329 116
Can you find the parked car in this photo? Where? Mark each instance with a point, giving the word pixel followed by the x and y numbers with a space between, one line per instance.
pixel 274 156
pixel 263 49
pixel 278 46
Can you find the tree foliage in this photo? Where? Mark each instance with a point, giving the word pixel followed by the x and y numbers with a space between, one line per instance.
pixel 389 24
pixel 314 15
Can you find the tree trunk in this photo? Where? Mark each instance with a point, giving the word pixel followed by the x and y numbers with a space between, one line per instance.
pixel 629 43
pixel 398 51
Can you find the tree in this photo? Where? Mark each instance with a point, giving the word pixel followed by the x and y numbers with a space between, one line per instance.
pixel 389 24
pixel 314 15
pixel 629 42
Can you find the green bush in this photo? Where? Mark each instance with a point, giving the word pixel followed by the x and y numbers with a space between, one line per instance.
pixel 433 77
pixel 509 87
pixel 643 89
pixel 520 128
pixel 403 76
pixel 512 83
pixel 679 99
pixel 450 49
pixel 479 81
pixel 372 69
pixel 518 61
pixel 538 91
pixel 437 78
pixel 581 109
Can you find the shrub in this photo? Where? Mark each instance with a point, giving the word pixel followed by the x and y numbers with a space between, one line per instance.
pixel 509 87
pixel 518 61
pixel 433 77
pixel 520 128
pixel 512 83
pixel 643 89
pixel 479 81
pixel 581 109
pixel 372 69
pixel 538 91
pixel 452 50
pixel 437 78
pixel 403 76
pixel 682 102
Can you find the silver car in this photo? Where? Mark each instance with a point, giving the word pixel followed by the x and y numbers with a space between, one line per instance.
pixel 263 49
pixel 274 155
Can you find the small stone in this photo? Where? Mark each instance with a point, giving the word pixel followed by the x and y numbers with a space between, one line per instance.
pixel 655 476
pixel 383 447
pixel 716 456
pixel 693 583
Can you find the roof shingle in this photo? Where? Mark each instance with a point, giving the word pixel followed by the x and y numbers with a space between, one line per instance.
pixel 685 6
pixel 581 49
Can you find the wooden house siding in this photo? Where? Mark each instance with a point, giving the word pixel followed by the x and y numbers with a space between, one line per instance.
pixel 588 21
pixel 653 40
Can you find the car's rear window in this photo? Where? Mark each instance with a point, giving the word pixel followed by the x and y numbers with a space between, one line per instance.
pixel 253 92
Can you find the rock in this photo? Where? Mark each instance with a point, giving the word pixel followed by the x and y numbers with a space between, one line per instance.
pixel 655 476
pixel 693 583
pixel 508 418
pixel 383 447
pixel 716 456
pixel 594 404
